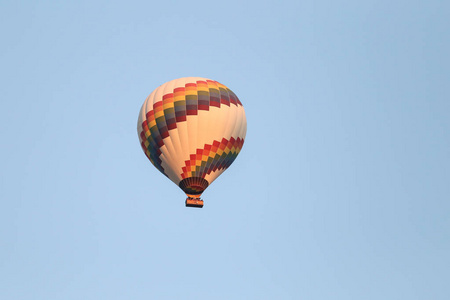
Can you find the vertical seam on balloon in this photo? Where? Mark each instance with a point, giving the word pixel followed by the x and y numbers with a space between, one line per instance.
pixel 207 121
pixel 154 159
pixel 152 129
pixel 238 122
pixel 188 142
pixel 194 121
pixel 243 131
pixel 231 120
pixel 170 159
pixel 176 141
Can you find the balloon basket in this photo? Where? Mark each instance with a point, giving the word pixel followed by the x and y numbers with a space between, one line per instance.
pixel 194 202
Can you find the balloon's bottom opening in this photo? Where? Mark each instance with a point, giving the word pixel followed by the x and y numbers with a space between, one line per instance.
pixel 193 185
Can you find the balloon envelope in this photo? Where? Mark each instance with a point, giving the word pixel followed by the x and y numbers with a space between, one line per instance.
pixel 192 129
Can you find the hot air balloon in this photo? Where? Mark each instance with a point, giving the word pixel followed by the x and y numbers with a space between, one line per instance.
pixel 192 129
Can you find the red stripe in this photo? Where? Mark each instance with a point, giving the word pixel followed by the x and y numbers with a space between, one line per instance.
pixel 165 134
pixel 166 96
pixel 181 118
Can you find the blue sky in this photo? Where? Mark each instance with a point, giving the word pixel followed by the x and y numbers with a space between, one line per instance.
pixel 340 192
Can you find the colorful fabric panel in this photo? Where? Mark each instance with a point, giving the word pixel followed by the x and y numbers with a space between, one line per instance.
pixel 217 156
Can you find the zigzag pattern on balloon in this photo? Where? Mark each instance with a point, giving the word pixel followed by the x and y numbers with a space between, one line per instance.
pixel 174 107
pixel 217 156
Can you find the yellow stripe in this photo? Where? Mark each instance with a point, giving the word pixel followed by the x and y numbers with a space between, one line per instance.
pixel 167 105
pixel 159 114
pixel 193 92
pixel 179 98
pixel 203 88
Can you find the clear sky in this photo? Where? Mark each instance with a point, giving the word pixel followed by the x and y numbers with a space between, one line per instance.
pixel 340 192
